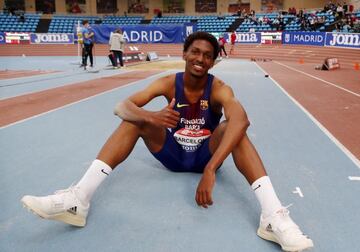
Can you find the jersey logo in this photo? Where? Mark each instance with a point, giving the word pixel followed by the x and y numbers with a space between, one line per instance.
pixel 181 105
pixel 204 104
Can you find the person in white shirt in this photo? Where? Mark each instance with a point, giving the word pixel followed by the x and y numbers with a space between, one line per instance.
pixel 117 47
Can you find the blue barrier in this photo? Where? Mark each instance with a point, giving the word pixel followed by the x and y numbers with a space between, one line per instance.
pixel 141 33
pixel 334 39
pixel 351 40
pixel 304 38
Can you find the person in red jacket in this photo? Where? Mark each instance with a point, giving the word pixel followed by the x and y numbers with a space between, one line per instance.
pixel 222 42
pixel 232 41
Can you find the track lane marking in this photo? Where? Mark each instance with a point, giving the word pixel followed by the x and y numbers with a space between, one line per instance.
pixel 317 123
pixel 317 78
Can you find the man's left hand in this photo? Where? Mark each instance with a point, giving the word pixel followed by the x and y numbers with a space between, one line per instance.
pixel 204 190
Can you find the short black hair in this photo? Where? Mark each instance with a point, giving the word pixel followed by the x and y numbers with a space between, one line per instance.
pixel 202 36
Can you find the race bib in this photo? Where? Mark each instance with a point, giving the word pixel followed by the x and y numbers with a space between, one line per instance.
pixel 190 140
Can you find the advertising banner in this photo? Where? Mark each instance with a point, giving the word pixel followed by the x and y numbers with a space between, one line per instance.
pixel 350 40
pixel 17 38
pixel 51 38
pixel 304 38
pixel 245 37
pixel 141 33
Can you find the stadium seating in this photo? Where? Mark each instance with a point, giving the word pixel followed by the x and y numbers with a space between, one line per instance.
pixel 122 20
pixel 215 23
pixel 173 19
pixel 66 24
pixel 10 23
pixel 208 23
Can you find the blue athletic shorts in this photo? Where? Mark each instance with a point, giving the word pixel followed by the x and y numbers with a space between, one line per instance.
pixel 173 157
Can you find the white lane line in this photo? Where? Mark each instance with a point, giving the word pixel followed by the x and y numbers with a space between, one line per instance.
pixel 298 191
pixel 354 178
pixel 317 123
pixel 312 76
pixel 79 101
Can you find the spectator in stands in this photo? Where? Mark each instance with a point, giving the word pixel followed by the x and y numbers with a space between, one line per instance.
pixel 232 41
pixel 261 20
pixel 301 13
pixel 339 10
pixel 276 23
pixel 117 47
pixel 292 11
pixel 243 13
pixel 222 42
pixel 346 27
pixel 22 18
pixel 75 8
pixel 266 20
pixel 239 11
pixel 303 25
pixel 321 21
pixel 12 11
pixel 254 20
pixel 281 24
pixel 312 23
pixel 88 41
pixel 345 8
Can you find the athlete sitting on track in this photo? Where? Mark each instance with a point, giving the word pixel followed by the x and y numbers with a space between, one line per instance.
pixel 197 142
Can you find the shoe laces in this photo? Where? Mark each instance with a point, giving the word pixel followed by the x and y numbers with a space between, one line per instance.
pixel 284 211
pixel 69 189
pixel 286 224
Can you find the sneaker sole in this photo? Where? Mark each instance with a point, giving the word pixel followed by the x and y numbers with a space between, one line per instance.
pixel 269 236
pixel 68 218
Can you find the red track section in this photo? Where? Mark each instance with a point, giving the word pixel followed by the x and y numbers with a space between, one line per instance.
pixel 332 97
pixel 25 106
pixel 314 54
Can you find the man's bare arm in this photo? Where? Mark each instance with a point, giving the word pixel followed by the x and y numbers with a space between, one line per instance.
pixel 131 108
pixel 237 124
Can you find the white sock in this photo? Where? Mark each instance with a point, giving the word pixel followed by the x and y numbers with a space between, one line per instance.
pixel 91 180
pixel 266 196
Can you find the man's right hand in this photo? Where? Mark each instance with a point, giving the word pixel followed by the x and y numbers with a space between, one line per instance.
pixel 167 117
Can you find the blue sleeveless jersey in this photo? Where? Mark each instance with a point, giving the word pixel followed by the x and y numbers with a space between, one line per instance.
pixel 186 146
pixel 197 121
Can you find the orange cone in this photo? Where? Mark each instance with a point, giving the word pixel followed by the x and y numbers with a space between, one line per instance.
pixel 356 66
pixel 301 61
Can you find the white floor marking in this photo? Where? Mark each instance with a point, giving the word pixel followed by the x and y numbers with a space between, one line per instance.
pixel 298 191
pixel 354 178
pixel 317 123
pixel 312 76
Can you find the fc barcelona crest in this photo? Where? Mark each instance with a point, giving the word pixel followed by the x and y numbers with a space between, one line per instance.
pixel 204 104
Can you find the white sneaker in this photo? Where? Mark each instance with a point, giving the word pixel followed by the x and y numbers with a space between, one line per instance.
pixel 63 206
pixel 281 229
